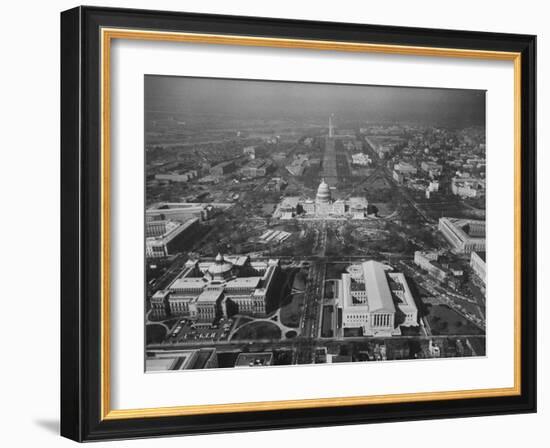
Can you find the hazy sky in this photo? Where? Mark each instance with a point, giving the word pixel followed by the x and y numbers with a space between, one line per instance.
pixel 272 99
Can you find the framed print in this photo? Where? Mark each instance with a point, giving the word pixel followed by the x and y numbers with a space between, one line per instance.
pixel 275 224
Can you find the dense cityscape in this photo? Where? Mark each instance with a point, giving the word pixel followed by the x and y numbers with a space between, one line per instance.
pixel 321 236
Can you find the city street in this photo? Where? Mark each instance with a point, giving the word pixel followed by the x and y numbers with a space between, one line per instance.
pixel 310 323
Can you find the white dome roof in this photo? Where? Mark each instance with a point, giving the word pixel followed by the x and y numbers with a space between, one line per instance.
pixel 220 268
pixel 323 192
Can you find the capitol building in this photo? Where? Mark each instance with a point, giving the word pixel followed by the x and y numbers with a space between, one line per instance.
pixel 323 206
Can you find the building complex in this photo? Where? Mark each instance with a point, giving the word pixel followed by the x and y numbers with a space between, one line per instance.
pixel 478 264
pixel 376 301
pixel 360 159
pixel 256 168
pixel 323 206
pixel 465 235
pixel 429 262
pixel 298 165
pixel 206 290
pixel 164 238
pixel 179 211
pixel 468 187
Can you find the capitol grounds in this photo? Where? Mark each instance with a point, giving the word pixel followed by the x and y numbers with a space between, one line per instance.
pixel 301 321
pixel 298 321
pixel 301 325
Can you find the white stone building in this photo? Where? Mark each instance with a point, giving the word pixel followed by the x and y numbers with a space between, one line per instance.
pixel 478 264
pixel 465 235
pixel 205 290
pixel 377 301
pixel 323 206
pixel 468 187
pixel 163 238
pixel 428 262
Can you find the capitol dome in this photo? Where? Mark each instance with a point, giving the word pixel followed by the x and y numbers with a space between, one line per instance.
pixel 220 269
pixel 323 192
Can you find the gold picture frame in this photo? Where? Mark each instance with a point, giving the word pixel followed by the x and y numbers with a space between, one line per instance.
pixel 106 34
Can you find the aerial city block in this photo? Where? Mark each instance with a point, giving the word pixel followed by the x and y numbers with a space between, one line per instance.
pixel 293 223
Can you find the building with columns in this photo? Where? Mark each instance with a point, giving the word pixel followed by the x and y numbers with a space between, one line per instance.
pixel 164 238
pixel 465 235
pixel 375 300
pixel 323 206
pixel 205 290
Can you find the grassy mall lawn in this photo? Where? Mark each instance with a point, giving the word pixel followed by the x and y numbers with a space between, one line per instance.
pixel 299 282
pixel 335 270
pixel 469 307
pixel 281 289
pixel 155 333
pixel 257 330
pixel 290 314
pixel 410 331
pixel 326 326
pixel 330 289
pixel 449 208
pixel 242 320
pixel 353 332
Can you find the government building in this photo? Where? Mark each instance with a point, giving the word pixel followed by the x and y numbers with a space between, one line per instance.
pixel 375 300
pixel 323 206
pixel 179 211
pixel 478 264
pixel 465 235
pixel 164 238
pixel 206 290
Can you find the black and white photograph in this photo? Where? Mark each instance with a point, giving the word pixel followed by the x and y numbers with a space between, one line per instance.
pixel 291 223
pixel 275 224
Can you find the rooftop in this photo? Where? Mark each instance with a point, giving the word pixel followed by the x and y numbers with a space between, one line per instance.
pixel 465 228
pixel 481 255
pixel 358 202
pixel 244 282
pixel 290 201
pixel 210 295
pixel 174 206
pixel 371 276
pixel 160 364
pixel 378 291
pixel 203 357
pixel 188 282
pixel 401 290
pixel 256 163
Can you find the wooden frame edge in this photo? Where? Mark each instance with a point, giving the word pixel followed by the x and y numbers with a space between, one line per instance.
pixel 107 34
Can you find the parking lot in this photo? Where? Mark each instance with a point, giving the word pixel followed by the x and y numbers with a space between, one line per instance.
pixel 187 331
